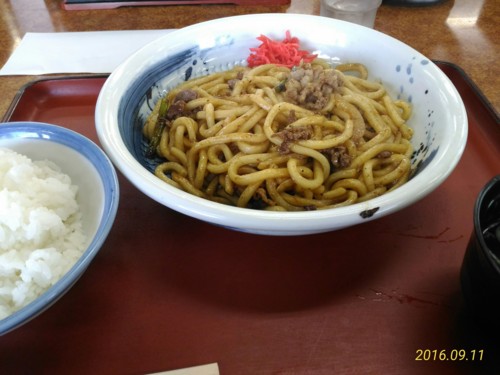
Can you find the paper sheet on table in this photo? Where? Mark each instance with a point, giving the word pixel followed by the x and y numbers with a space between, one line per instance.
pixel 76 52
pixel 210 369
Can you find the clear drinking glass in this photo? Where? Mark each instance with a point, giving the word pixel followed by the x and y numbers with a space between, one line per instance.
pixel 362 12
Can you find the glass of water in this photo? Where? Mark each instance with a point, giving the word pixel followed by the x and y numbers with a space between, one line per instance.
pixel 362 12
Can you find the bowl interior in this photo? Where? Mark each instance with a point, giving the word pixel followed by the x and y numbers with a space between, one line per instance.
pixel 75 159
pixel 439 118
pixel 83 174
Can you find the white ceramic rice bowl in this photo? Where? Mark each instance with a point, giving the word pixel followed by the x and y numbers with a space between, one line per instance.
pixel 439 117
pixel 98 196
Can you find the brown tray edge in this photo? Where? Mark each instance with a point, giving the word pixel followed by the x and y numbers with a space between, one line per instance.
pixel 17 98
pixel 473 86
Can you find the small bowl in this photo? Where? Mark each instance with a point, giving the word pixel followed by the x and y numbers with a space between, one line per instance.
pixel 439 118
pixel 480 273
pixel 98 194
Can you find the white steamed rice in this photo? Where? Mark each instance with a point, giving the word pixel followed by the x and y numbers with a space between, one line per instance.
pixel 41 234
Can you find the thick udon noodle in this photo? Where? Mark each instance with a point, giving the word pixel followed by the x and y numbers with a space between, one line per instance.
pixel 241 143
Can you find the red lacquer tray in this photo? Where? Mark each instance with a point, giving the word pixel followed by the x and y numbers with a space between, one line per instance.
pixel 167 291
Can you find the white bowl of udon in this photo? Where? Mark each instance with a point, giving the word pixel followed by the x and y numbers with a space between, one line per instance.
pixel 260 147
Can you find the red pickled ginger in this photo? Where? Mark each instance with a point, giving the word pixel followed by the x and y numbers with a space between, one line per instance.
pixel 285 53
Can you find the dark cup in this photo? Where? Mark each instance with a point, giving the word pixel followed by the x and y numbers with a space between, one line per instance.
pixel 480 273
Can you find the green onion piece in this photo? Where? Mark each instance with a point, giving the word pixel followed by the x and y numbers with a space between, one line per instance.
pixel 161 122
pixel 280 87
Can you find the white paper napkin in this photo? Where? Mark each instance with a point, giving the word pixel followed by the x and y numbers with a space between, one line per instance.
pixel 76 52
pixel 210 369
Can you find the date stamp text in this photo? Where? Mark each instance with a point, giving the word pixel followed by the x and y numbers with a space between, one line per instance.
pixel 428 355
